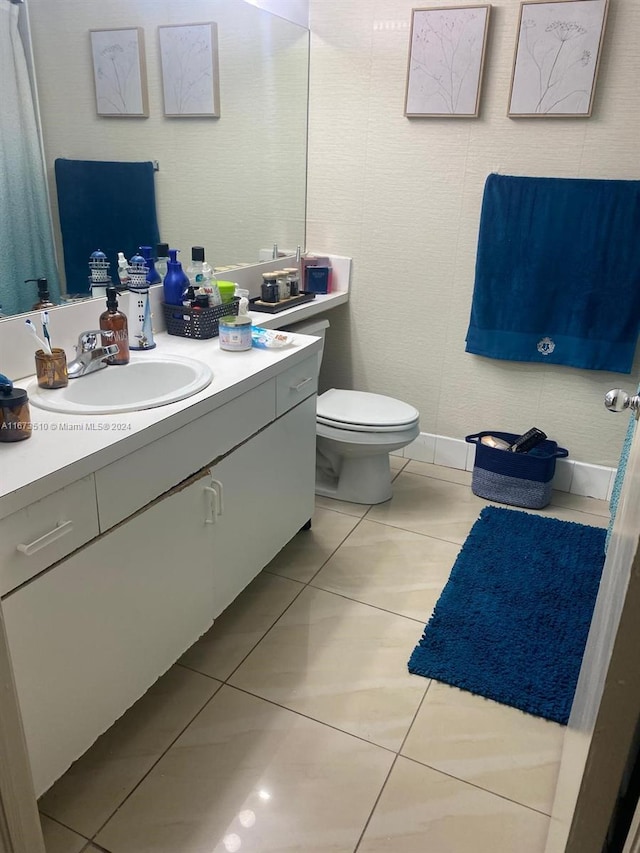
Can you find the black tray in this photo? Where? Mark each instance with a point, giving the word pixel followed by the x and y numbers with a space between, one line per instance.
pixel 257 304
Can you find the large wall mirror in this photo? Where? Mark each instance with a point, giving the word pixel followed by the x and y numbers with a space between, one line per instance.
pixel 234 184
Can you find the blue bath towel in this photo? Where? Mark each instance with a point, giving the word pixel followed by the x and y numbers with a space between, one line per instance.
pixel 558 272
pixel 107 206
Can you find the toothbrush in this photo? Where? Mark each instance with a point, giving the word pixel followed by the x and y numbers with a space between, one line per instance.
pixel 43 344
pixel 45 328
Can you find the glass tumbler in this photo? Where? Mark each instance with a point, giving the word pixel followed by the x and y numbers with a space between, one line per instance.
pixel 51 370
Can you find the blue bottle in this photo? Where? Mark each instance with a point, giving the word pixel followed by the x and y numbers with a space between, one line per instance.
pixel 153 276
pixel 175 281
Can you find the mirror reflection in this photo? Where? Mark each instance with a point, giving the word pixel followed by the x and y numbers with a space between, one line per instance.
pixel 234 184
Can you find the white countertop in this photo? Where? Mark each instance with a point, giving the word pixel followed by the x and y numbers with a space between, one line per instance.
pixel 64 448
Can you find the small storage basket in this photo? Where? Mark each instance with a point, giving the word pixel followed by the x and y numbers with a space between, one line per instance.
pixel 200 323
pixel 518 479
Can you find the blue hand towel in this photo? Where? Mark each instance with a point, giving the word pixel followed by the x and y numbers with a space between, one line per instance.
pixel 558 272
pixel 107 206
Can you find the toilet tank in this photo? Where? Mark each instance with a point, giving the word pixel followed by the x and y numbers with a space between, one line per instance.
pixel 316 328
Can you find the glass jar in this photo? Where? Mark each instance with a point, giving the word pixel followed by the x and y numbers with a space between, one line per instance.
pixel 282 278
pixel 269 291
pixel 293 277
pixel 235 333
pixel 51 368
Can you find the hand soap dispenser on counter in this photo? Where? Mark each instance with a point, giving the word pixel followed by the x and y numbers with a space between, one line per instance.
pixel 115 321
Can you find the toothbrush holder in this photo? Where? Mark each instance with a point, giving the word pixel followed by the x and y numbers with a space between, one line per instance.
pixel 51 369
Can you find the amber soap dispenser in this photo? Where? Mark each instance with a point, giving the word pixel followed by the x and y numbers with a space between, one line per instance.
pixel 113 320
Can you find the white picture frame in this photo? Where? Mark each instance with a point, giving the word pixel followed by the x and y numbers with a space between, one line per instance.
pixel 119 72
pixel 556 60
pixel 446 61
pixel 190 75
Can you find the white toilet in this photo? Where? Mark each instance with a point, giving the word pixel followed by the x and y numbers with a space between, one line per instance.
pixel 356 431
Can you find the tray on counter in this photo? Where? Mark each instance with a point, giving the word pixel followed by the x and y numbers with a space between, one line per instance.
pixel 257 304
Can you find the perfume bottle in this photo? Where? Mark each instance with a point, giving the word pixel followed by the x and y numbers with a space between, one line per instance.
pixel 162 258
pixel 113 320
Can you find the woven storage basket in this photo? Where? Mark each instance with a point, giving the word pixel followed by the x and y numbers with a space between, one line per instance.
pixel 517 479
pixel 199 323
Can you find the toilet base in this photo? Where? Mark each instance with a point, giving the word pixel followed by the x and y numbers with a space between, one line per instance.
pixel 363 480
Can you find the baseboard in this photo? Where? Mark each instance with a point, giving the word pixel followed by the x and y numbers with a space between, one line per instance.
pixel 578 478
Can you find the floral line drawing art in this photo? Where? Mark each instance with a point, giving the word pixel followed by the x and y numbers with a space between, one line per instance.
pixel 189 59
pixel 557 57
pixel 446 57
pixel 119 72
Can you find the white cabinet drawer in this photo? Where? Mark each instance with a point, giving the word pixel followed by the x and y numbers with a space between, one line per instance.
pixel 296 384
pixel 132 482
pixel 39 535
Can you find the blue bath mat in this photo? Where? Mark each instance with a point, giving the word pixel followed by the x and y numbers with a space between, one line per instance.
pixel 512 621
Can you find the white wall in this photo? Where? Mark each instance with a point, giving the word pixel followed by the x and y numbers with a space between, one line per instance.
pixel 402 197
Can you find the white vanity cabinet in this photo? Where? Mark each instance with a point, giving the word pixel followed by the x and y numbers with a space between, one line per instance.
pixel 88 637
pixel 91 633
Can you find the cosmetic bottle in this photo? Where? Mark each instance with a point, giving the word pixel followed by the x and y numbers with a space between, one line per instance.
pixel 175 281
pixel 162 258
pixel 200 276
pixel 115 321
pixel 44 299
pixel 123 270
pixel 153 276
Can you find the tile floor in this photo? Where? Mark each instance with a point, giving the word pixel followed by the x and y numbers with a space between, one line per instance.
pixel 293 725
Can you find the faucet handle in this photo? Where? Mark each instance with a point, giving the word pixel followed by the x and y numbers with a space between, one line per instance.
pixel 87 340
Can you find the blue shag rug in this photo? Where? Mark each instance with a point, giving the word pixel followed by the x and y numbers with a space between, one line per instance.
pixel 512 621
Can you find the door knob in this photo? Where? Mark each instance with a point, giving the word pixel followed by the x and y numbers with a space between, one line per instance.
pixel 618 400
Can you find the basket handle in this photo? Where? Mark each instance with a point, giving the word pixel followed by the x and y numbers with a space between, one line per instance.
pixel 475 437
pixel 561 452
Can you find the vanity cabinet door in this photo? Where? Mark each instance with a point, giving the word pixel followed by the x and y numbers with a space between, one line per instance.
pixel 266 494
pixel 90 636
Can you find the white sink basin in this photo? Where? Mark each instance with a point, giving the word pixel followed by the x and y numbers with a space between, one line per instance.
pixel 146 382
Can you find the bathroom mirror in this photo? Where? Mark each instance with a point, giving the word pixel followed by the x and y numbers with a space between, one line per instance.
pixel 234 184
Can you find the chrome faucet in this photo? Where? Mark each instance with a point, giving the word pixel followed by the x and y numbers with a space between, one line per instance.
pixel 90 357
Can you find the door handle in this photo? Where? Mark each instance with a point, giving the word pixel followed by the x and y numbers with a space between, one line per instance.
pixel 216 505
pixel 618 400
pixel 57 533
pixel 301 385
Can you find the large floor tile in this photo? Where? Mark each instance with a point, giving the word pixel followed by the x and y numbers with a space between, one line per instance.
pixel 391 568
pixel 439 472
pixel 580 503
pixel 346 507
pixel 96 784
pixel 340 662
pixel 250 776
pixel 491 745
pixel 241 626
pixel 59 839
pixel 307 552
pixel 433 507
pixel 422 810
pixel 565 514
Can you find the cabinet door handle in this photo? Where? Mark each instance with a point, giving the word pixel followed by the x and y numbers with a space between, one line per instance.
pixel 301 385
pixel 57 533
pixel 216 506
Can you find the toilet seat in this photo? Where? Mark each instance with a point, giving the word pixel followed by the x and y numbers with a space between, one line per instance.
pixel 361 411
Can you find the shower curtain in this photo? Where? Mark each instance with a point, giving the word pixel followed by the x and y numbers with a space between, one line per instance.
pixel 26 243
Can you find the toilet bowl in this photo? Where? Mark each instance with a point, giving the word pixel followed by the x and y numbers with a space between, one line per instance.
pixel 355 432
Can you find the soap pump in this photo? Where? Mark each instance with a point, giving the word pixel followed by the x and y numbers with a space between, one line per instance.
pixel 44 299
pixel 175 281
pixel 140 330
pixel 113 320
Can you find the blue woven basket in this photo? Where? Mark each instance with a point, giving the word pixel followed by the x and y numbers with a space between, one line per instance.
pixel 517 479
